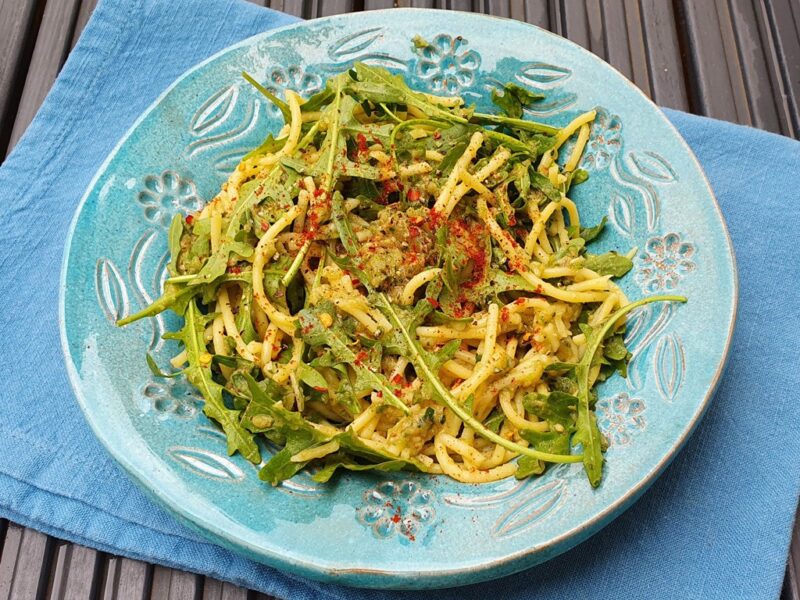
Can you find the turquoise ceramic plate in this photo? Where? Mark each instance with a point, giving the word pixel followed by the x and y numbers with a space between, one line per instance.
pixel 643 178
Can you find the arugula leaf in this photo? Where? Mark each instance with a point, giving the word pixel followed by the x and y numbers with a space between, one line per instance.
pixel 591 233
pixel 341 461
pixel 244 323
pixel 342 224
pixel 314 333
pixel 557 408
pixel 495 420
pixel 311 377
pixel 380 86
pixel 269 146
pixel 527 466
pixel 174 296
pixel 609 263
pixel 156 371
pixel 540 182
pixel 576 177
pixel 174 242
pixel 280 466
pixel 282 106
pixel 199 375
pixel 514 98
pixel 587 432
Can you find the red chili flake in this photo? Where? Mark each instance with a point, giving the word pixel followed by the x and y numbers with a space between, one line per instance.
pixel 519 301
pixel 379 394
pixel 361 139
pixel 235 269
pixel 397 378
pixel 264 226
pixel 512 220
pixel 318 192
pixel 360 358
pixel 320 388
pixel 413 195
pixel 437 135
pixel 356 281
pixel 189 219
pixel 301 184
pixel 504 315
pixel 260 190
pixel 396 518
pixel 433 302
pixel 538 289
pixel 411 537
pixel 435 218
pixel 307 329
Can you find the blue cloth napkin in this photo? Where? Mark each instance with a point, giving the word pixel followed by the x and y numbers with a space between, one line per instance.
pixel 716 525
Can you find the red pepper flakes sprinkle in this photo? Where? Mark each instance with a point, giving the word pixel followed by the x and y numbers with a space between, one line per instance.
pixel 379 394
pixel 264 226
pixel 435 218
pixel 519 301
pixel 318 192
pixel 189 219
pixel 437 135
pixel 360 358
pixel 320 388
pixel 235 269
pixel 433 302
pixel 504 315
pixel 397 378
pixel 361 139
pixel 413 195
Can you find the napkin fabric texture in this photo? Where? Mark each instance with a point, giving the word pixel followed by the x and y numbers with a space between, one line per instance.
pixel 715 525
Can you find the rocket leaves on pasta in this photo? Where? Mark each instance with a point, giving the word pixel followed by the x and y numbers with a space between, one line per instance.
pixel 375 275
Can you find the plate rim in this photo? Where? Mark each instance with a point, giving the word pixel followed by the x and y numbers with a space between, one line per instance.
pixel 398 577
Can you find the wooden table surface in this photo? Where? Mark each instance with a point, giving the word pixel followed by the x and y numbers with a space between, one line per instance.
pixel 737 60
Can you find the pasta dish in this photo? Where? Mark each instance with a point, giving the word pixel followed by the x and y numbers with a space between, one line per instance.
pixel 397 281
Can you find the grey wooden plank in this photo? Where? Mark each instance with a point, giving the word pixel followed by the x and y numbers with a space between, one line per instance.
pixel 84 14
pixel 378 4
pixel 537 12
pixel 761 81
pixel 792 583
pixel 784 22
pixel 292 7
pixel 74 573
pixel 25 564
pixel 717 88
pixel 18 22
pixel 416 3
pixel 574 24
pixel 462 5
pixel 325 8
pixel 667 75
pixel 123 579
pixel 53 43
pixel 214 589
pixel 172 584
